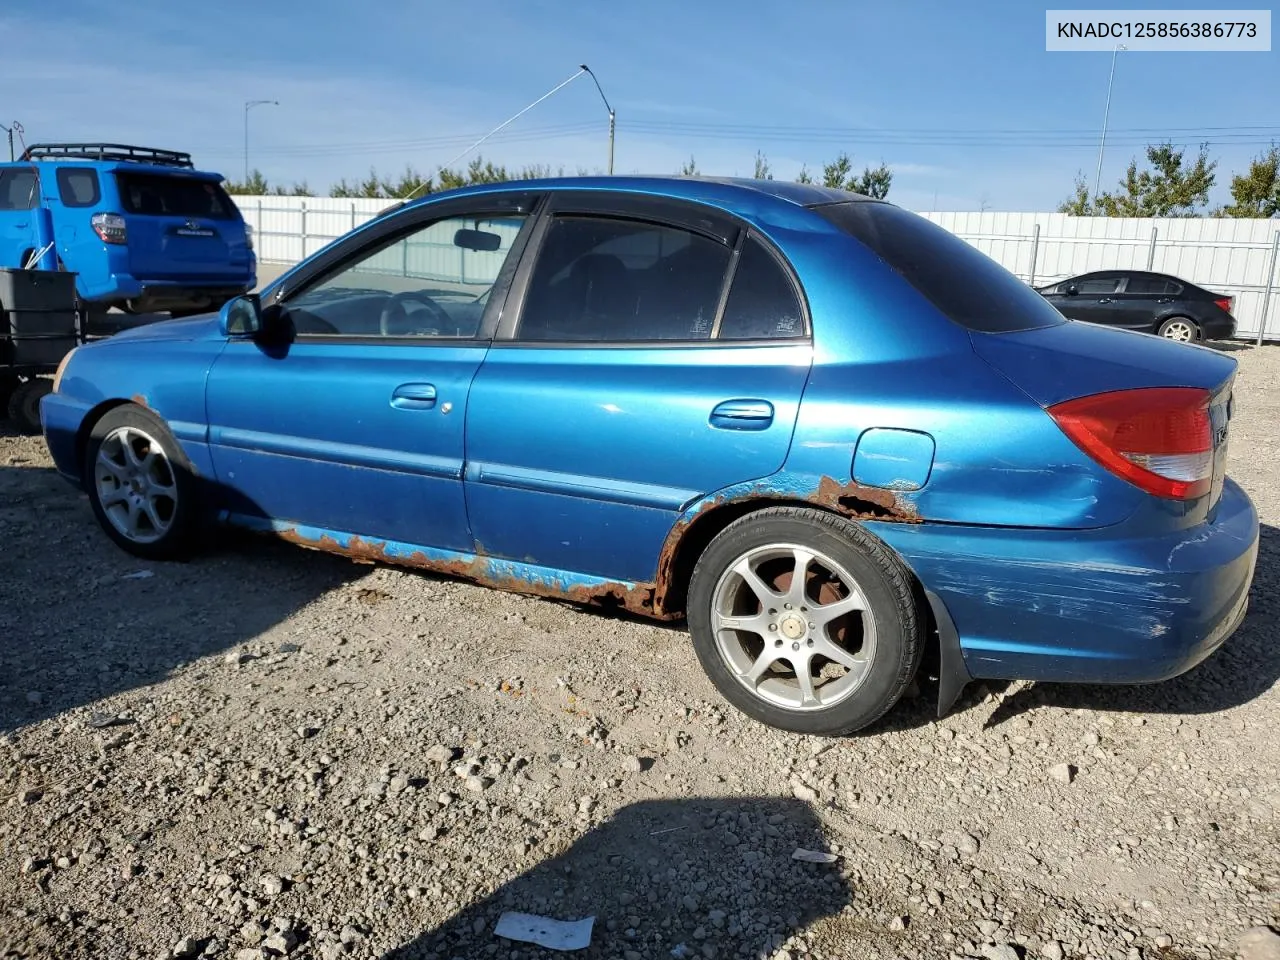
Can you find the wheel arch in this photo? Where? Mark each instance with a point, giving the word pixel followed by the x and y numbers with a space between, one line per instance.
pixel 691 536
pixel 89 421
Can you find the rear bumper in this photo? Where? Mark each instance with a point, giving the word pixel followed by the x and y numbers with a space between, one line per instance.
pixel 187 294
pixel 1221 327
pixel 1088 606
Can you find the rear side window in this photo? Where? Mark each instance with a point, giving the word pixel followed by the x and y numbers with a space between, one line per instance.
pixel 19 188
pixel 154 195
pixel 1151 285
pixel 763 304
pixel 616 281
pixel 965 284
pixel 78 188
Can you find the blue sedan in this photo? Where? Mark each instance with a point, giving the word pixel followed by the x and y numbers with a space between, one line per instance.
pixel 828 434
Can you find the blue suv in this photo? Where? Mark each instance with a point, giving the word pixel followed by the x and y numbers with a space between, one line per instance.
pixel 142 228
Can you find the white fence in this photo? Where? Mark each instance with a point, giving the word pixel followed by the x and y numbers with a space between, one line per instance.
pixel 1234 257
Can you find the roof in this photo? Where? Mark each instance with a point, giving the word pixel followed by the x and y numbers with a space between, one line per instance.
pixel 725 191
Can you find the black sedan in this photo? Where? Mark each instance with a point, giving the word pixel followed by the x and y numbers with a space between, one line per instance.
pixel 1140 300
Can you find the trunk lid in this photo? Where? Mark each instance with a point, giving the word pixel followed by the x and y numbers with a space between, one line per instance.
pixel 1062 362
pixel 181 227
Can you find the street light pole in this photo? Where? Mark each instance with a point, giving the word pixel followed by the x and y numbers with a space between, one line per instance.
pixel 1097 183
pixel 613 126
pixel 249 105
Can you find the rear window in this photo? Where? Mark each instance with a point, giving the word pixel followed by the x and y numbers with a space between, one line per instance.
pixel 160 196
pixel 962 282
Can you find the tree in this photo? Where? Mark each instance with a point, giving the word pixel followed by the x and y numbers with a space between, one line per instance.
pixel 296 190
pixel 838 174
pixel 762 171
pixel 1078 204
pixel 1256 193
pixel 804 176
pixel 873 183
pixel 255 186
pixel 690 169
pixel 1168 189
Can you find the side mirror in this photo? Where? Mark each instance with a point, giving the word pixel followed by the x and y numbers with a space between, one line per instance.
pixel 1071 290
pixel 241 316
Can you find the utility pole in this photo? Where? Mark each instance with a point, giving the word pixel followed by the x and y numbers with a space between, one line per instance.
pixel 613 117
pixel 1097 183
pixel 10 130
pixel 249 105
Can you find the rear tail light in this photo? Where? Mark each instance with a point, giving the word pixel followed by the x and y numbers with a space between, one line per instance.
pixel 248 235
pixel 110 228
pixel 1224 303
pixel 1158 438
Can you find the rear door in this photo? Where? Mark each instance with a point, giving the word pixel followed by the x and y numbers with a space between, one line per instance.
pixel 181 226
pixel 1142 298
pixel 19 196
pixel 651 352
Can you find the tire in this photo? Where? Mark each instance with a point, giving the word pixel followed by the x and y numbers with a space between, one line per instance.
pixel 7 386
pixel 890 632
pixel 1180 329
pixel 165 482
pixel 24 404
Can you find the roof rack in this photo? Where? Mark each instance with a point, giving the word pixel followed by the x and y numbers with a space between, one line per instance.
pixel 107 151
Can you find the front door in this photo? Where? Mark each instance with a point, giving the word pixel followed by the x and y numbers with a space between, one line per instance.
pixel 628 380
pixel 356 425
pixel 19 196
pixel 1093 298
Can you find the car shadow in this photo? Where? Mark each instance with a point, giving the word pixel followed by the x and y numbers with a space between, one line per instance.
pixel 1241 670
pixel 694 877
pixel 81 620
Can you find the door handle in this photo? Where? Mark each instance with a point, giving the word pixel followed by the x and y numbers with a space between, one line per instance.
pixel 1105 300
pixel 414 396
pixel 1165 300
pixel 742 415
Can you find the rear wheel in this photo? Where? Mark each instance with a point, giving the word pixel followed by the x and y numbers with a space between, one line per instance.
pixel 1180 329
pixel 24 404
pixel 140 484
pixel 804 622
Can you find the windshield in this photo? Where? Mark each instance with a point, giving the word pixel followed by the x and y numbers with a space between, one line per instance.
pixel 961 281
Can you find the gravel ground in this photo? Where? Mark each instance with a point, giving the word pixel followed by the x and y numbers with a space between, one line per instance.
pixel 273 752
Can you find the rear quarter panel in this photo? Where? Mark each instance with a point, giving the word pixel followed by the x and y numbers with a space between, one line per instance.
pixel 884 357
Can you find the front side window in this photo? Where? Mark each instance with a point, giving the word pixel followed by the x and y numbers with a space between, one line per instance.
pixel 78 187
pixel 615 281
pixel 1098 285
pixel 433 282
pixel 19 188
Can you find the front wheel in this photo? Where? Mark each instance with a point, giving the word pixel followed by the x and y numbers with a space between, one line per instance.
pixel 140 484
pixel 805 622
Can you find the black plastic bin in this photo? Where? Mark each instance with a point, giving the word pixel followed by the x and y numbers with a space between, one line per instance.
pixel 38 325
